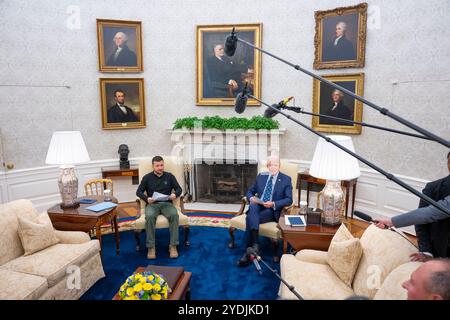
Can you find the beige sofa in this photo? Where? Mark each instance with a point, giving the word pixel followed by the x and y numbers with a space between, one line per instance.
pixel 51 273
pixel 383 267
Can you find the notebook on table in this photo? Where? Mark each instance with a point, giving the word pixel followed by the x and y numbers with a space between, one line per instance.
pixel 295 221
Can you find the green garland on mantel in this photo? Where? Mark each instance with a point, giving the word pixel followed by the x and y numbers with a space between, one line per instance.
pixel 216 122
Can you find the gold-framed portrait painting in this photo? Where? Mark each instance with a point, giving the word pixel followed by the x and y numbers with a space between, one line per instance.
pixel 340 39
pixel 122 103
pixel 219 77
pixel 334 103
pixel 119 46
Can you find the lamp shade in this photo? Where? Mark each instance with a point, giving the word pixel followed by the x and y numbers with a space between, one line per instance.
pixel 67 147
pixel 331 163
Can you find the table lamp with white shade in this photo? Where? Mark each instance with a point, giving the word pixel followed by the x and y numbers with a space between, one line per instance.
pixel 334 165
pixel 67 148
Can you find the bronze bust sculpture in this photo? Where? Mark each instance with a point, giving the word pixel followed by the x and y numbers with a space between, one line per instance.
pixel 124 151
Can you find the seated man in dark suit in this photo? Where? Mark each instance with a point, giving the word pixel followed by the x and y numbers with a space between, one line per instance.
pixel 433 238
pixel 120 113
pixel 267 196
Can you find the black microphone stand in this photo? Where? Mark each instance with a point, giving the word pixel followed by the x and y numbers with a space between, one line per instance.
pixel 383 111
pixel 388 175
pixel 291 288
pixel 298 110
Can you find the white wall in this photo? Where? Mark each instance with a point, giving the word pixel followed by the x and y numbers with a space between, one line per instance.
pixel 407 41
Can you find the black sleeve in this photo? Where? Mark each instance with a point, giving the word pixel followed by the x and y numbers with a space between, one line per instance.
pixel 176 186
pixel 429 190
pixel 423 231
pixel 423 234
pixel 142 189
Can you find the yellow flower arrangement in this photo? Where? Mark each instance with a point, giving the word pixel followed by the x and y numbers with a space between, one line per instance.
pixel 144 286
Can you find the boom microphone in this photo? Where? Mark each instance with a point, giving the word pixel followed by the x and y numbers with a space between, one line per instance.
pixel 368 218
pixel 254 259
pixel 241 100
pixel 363 216
pixel 231 43
pixel 270 113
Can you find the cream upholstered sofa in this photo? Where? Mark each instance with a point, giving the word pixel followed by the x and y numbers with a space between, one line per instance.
pixel 51 273
pixel 383 267
pixel 175 166
pixel 269 229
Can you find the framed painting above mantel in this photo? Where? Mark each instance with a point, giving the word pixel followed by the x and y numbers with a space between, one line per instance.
pixel 219 77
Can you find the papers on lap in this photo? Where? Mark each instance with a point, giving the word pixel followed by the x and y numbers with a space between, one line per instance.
pixel 102 206
pixel 258 200
pixel 159 196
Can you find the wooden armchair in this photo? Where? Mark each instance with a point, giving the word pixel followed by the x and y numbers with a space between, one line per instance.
pixel 269 229
pixel 172 165
pixel 96 187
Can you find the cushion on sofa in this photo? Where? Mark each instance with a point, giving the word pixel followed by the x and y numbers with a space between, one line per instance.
pixel 392 286
pixel 36 236
pixel 383 251
pixel 52 262
pixel 11 246
pixel 311 280
pixel 21 286
pixel 314 256
pixel 344 255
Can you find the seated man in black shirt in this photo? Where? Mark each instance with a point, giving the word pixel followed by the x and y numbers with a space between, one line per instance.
pixel 163 182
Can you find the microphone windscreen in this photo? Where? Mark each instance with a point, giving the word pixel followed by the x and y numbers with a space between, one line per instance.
pixel 363 216
pixel 270 113
pixel 240 103
pixel 230 45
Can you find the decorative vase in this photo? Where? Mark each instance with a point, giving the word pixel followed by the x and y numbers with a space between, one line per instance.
pixel 333 201
pixel 68 186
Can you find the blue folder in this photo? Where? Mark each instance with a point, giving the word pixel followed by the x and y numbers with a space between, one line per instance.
pixel 296 221
pixel 102 206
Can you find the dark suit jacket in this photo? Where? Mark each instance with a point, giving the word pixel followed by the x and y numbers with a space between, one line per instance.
pixel 342 51
pixel 116 115
pixel 219 72
pixel 341 111
pixel 126 58
pixel 282 192
pixel 434 237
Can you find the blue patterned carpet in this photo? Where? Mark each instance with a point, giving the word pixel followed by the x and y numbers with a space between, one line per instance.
pixel 215 275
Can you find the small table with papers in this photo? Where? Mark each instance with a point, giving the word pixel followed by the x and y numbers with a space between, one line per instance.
pixel 82 219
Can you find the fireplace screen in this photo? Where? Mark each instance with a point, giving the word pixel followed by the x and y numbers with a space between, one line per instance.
pixel 223 182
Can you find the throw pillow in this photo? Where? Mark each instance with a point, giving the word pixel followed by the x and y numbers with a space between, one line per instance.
pixel 344 254
pixel 36 236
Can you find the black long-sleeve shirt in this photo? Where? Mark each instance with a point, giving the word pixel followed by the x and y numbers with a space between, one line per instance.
pixel 163 184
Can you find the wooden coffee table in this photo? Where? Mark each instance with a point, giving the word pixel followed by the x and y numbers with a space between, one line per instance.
pixel 181 291
pixel 81 219
pixel 317 237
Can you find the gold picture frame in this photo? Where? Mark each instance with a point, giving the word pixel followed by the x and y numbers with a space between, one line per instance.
pixel 328 102
pixel 219 80
pixel 129 93
pixel 340 38
pixel 119 46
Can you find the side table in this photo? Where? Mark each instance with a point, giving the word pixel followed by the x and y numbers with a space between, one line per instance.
pixel 117 172
pixel 81 219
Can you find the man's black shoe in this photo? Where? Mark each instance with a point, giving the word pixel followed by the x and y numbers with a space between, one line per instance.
pixel 244 261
